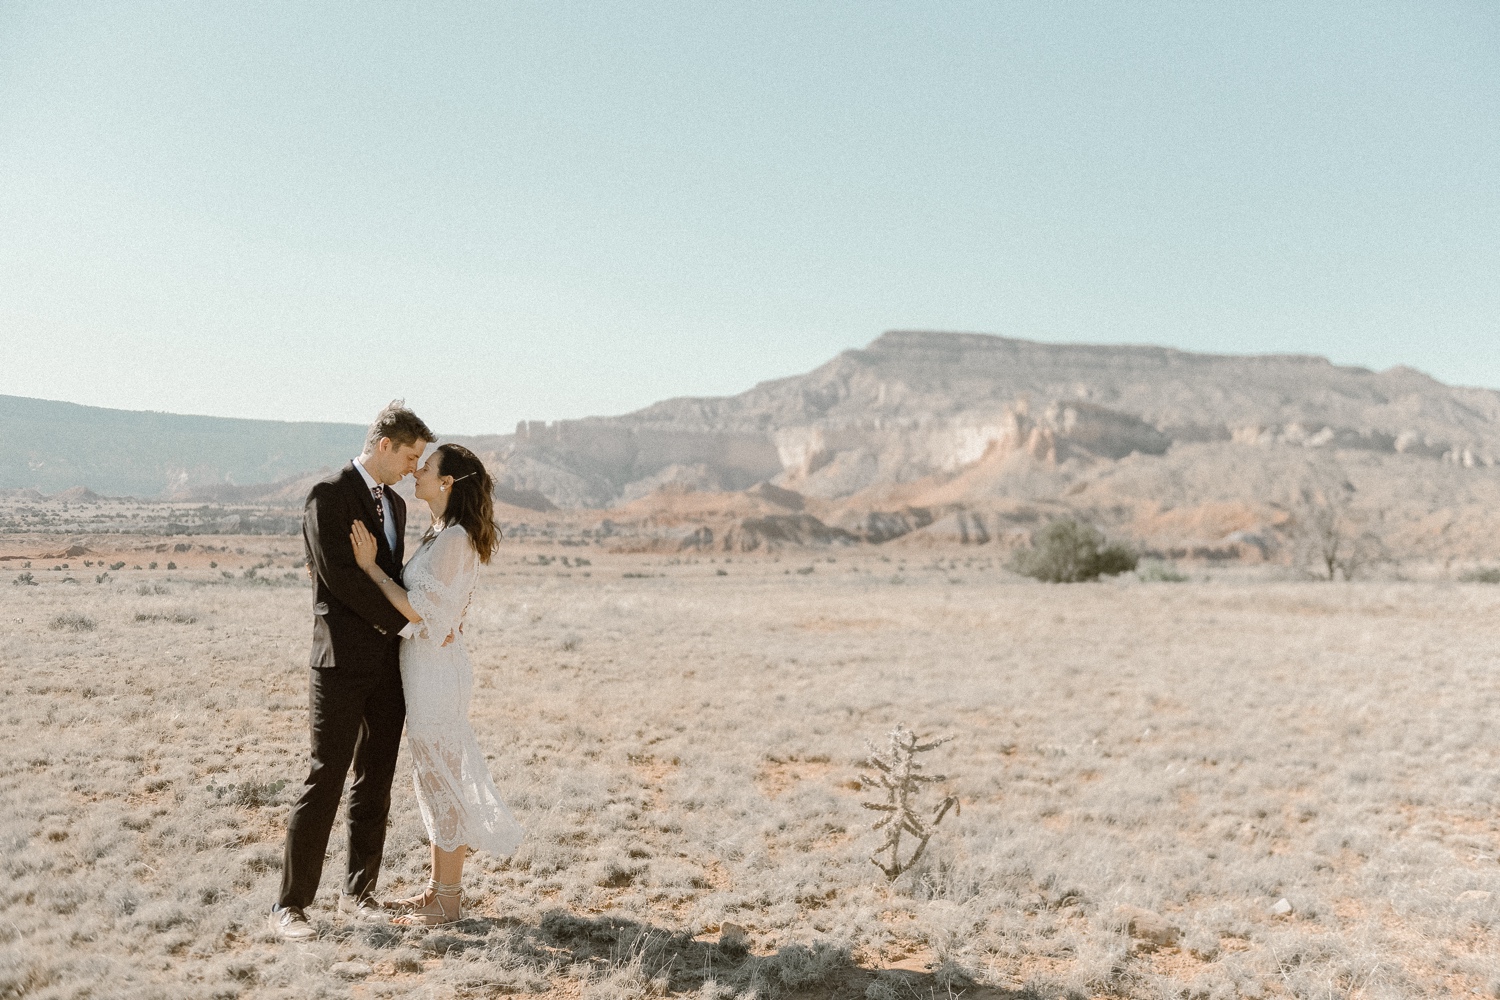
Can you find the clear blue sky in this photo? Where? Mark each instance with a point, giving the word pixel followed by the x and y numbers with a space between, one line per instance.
pixel 545 210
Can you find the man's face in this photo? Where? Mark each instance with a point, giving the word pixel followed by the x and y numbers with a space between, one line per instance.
pixel 397 461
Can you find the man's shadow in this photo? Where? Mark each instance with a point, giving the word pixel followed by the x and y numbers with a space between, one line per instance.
pixel 610 945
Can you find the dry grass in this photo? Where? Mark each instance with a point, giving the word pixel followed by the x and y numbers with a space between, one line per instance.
pixel 683 748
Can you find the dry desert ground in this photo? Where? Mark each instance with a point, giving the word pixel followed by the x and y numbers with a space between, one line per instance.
pixel 682 739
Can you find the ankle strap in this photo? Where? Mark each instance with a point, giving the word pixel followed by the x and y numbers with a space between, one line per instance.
pixel 441 889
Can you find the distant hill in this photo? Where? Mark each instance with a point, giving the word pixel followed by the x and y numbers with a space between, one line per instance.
pixel 50 446
pixel 920 436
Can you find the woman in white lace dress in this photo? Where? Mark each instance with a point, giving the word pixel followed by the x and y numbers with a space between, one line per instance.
pixel 458 801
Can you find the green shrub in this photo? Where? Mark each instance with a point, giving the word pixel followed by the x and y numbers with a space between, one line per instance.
pixel 1069 552
pixel 1480 576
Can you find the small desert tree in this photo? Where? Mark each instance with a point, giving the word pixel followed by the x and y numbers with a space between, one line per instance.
pixel 1067 551
pixel 1332 536
pixel 898 771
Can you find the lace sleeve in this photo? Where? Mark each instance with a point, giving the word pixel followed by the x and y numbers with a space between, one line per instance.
pixel 438 586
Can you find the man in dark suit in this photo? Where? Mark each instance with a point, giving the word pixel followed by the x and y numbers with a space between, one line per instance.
pixel 356 706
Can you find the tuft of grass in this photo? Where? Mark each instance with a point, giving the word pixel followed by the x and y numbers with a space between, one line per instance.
pixel 1158 572
pixel 251 794
pixel 72 621
pixel 177 617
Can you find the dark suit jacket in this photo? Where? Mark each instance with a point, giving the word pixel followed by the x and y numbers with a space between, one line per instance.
pixel 353 623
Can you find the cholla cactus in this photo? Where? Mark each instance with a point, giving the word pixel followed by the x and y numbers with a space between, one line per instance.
pixel 899 772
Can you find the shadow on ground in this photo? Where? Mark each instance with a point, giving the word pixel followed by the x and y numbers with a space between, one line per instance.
pixel 628 950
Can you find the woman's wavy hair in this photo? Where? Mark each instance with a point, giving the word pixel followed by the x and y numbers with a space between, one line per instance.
pixel 472 503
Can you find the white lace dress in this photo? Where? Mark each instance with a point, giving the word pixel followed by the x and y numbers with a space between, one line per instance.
pixel 455 793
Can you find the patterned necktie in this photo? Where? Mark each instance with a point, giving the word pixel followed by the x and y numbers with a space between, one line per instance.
pixel 379 491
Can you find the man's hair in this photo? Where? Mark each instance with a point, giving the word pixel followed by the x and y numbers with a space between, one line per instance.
pixel 399 424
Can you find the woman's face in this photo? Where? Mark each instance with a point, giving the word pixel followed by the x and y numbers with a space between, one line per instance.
pixel 428 479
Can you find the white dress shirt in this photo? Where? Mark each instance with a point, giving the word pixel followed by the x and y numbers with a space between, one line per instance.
pixel 388 519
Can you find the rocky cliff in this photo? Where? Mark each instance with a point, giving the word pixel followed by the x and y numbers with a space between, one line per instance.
pixel 913 405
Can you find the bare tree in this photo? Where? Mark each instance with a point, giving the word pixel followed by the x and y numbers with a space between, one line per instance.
pixel 900 773
pixel 1332 534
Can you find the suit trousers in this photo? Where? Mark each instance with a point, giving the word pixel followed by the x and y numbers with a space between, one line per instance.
pixel 356 714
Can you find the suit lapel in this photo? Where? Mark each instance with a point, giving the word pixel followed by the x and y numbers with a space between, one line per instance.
pixel 367 499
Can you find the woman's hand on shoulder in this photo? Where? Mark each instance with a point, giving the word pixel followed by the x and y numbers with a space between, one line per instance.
pixel 364 546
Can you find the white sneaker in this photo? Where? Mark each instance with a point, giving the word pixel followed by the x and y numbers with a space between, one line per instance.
pixel 289 923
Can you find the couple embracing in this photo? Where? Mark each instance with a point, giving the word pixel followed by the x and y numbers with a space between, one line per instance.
pixel 388 648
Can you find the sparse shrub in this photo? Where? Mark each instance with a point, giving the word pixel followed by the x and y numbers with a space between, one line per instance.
pixel 252 794
pixel 176 617
pixel 171 565
pixel 1158 572
pixel 1480 576
pixel 117 566
pixel 900 773
pixel 244 972
pixel 102 577
pixel 153 565
pixel 1069 552
pixel 73 621
pixel 24 580
pixel 799 967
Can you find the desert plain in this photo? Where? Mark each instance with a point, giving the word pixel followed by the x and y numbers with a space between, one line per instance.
pixel 1240 784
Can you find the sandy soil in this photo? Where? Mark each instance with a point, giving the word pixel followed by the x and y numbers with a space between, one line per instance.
pixel 682 739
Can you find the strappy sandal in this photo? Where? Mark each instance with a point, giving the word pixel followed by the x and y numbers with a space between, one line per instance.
pixel 414 917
